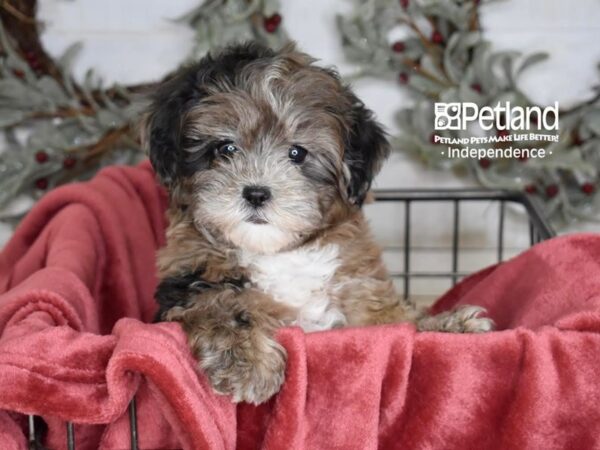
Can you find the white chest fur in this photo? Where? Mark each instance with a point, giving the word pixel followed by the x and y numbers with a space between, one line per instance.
pixel 299 278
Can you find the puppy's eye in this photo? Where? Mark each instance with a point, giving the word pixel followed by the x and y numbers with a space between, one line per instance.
pixel 297 154
pixel 227 149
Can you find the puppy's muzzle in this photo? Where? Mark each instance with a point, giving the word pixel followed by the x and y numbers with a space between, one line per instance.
pixel 257 196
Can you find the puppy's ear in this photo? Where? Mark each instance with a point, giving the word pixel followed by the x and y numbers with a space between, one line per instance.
pixel 366 147
pixel 163 124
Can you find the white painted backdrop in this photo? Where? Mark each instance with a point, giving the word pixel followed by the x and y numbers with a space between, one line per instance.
pixel 133 41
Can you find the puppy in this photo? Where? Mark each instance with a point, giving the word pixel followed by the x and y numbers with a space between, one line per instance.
pixel 267 159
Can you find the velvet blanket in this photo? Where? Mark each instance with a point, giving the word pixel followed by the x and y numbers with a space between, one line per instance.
pixel 76 285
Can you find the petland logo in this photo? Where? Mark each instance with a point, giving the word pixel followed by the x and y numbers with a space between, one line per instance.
pixel 457 116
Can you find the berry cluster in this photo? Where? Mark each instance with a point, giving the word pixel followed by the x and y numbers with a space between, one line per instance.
pixel 272 23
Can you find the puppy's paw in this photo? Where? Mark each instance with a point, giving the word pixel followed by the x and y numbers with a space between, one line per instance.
pixel 250 367
pixel 464 319
pixel 237 352
pixel 231 334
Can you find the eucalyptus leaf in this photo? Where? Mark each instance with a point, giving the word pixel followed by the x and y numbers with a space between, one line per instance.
pixel 453 69
pixel 66 60
pixel 531 60
pixel 495 62
pixel 592 121
pixel 52 90
pixel 16 94
pixel 10 117
pixel 108 119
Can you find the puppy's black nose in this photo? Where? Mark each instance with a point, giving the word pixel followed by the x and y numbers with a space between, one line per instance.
pixel 256 195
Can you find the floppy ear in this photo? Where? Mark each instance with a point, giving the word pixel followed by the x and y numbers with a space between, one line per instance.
pixel 163 124
pixel 366 148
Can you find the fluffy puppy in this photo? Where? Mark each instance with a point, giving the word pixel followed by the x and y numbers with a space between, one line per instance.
pixel 267 159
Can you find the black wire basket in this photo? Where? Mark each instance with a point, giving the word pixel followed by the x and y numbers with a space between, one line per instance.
pixel 538 228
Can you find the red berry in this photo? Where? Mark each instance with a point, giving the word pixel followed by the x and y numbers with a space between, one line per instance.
pixel 404 3
pixel 503 133
pixel 531 189
pixel 398 47
pixel 30 55
pixel 403 78
pixel 41 183
pixel 18 73
pixel 477 87
pixel 276 19
pixel 485 163
pixel 576 139
pixel 41 156
pixel 271 23
pixel 69 162
pixel 551 190
pixel 33 60
pixel 270 27
pixel 588 188
pixel 437 37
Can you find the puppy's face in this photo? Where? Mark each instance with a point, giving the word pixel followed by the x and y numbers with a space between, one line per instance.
pixel 264 148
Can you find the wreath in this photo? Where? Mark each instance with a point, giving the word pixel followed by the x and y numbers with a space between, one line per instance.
pixel 445 58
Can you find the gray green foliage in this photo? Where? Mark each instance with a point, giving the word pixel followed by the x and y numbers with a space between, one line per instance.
pixel 90 125
pixel 459 65
pixel 44 114
pixel 218 22
pixel 56 130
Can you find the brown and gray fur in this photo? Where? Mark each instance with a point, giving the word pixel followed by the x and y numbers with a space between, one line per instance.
pixel 267 159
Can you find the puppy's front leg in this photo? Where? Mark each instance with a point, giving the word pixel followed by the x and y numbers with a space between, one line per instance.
pixel 372 302
pixel 231 331
pixel 463 319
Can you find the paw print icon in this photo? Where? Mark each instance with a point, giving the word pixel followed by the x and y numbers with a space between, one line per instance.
pixel 447 116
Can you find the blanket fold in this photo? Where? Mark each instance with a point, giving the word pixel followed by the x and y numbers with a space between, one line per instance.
pixel 76 287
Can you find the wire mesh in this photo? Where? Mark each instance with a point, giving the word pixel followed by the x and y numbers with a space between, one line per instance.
pixel 539 228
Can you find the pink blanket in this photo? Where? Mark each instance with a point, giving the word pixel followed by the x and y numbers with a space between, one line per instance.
pixel 77 281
